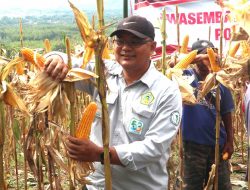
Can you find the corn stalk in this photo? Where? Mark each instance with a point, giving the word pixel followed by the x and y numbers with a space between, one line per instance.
pixel 24 155
pixel 218 119
pixel 181 158
pixel 2 126
pixel 38 152
pixel 21 32
pixel 217 137
pixel 71 93
pixel 178 27
pixel 248 162
pixel 101 85
pixel 163 34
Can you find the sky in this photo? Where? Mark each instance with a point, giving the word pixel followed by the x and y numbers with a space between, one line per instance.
pixel 55 4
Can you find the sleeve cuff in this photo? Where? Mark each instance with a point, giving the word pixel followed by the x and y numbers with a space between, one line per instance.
pixel 75 61
pixel 125 156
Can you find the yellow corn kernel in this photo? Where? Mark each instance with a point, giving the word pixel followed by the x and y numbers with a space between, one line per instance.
pixel 187 60
pixel 234 49
pixel 20 68
pixel 212 59
pixel 245 48
pixel 225 156
pixel 105 54
pixel 233 28
pixel 88 116
pixel 47 45
pixel 33 57
pixel 87 56
pixel 184 46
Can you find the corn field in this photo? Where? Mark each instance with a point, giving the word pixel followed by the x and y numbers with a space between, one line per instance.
pixel 38 112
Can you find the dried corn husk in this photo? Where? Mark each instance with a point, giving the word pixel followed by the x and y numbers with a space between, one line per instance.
pixel 77 170
pixel 11 98
pixel 45 93
pixel 234 70
pixel 240 10
pixel 187 91
pixel 9 66
pixel 88 34
pixel 206 86
pixel 77 74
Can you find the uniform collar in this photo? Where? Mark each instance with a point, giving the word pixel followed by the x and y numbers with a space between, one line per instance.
pixel 150 76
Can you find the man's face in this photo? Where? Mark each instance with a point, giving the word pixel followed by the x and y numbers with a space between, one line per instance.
pixel 204 68
pixel 132 52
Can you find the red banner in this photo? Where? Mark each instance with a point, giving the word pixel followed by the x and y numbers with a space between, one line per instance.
pixel 200 19
pixel 159 3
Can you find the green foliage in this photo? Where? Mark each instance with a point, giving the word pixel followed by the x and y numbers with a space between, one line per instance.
pixel 16 130
pixel 36 29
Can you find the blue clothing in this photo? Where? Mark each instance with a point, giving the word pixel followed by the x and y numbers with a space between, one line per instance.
pixel 198 121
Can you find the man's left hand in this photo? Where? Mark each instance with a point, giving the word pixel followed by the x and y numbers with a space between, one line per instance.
pixel 229 148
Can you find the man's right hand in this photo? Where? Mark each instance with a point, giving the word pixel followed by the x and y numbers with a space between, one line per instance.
pixel 55 67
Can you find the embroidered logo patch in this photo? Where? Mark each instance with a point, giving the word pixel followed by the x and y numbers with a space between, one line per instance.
pixel 175 118
pixel 147 98
pixel 135 126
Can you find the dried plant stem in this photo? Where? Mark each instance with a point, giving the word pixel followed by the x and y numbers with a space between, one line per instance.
pixel 163 33
pixel 25 156
pixel 16 166
pixel 101 85
pixel 72 96
pixel 178 27
pixel 38 152
pixel 181 158
pixel 248 168
pixel 50 160
pixel 209 33
pixel 217 137
pixel 221 37
pixel 21 32
pixel 2 126
pixel 218 119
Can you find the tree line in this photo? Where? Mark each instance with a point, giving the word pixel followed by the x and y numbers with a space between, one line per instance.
pixel 36 29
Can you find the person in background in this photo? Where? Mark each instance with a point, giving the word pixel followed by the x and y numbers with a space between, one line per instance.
pixel 247 116
pixel 198 128
pixel 144 108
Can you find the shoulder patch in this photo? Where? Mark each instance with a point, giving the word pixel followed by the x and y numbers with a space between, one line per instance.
pixel 175 118
pixel 147 98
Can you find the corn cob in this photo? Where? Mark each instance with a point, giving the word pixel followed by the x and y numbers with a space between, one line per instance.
pixel 234 49
pixel 206 85
pixel 183 63
pixel 12 99
pixel 47 45
pixel 245 48
pixel 33 57
pixel 88 116
pixel 212 59
pixel 184 46
pixel 19 68
pixel 225 156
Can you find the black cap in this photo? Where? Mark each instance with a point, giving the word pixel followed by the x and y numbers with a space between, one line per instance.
pixel 137 25
pixel 200 45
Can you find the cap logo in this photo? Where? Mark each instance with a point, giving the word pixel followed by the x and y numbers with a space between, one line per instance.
pixel 204 44
pixel 126 23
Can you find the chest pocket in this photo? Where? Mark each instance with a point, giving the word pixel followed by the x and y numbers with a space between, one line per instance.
pixel 139 120
pixel 110 100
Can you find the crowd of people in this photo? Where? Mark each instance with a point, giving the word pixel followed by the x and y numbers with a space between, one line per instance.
pixel 146 110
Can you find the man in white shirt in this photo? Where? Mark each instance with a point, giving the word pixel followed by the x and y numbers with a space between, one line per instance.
pixel 144 109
